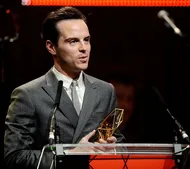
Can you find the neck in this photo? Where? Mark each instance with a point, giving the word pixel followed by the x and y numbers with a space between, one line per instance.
pixel 73 75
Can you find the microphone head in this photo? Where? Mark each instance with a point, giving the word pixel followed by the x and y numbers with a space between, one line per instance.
pixel 58 95
pixel 162 13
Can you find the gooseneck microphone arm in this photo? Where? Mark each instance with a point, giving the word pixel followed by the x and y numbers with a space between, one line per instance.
pixel 179 126
pixel 52 128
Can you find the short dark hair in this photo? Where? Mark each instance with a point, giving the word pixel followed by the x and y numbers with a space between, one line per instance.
pixel 49 29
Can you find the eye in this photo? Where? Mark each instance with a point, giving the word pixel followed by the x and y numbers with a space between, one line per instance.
pixel 87 39
pixel 73 41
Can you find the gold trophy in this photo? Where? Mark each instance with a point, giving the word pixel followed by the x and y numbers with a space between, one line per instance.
pixel 109 125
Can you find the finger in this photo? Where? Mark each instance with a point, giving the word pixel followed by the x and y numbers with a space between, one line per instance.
pixel 96 142
pixel 89 135
pixel 103 148
pixel 102 141
pixel 111 139
pixel 99 148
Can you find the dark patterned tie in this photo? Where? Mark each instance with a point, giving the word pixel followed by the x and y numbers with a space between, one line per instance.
pixel 74 96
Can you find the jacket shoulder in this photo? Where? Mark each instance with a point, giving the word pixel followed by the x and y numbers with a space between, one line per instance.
pixel 35 83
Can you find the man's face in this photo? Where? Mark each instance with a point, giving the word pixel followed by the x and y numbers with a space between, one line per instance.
pixel 73 49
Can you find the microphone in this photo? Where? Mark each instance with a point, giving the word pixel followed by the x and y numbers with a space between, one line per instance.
pixel 180 128
pixel 52 128
pixel 58 95
pixel 165 16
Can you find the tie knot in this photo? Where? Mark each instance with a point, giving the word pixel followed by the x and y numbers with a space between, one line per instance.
pixel 74 83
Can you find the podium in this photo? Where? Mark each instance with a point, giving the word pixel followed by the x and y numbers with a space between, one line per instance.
pixel 127 156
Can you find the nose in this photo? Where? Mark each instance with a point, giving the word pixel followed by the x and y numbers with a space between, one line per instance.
pixel 83 47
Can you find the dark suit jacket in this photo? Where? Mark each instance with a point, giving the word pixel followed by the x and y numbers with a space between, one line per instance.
pixel 28 119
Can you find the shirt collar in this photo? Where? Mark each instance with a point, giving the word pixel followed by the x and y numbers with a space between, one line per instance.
pixel 80 80
pixel 67 80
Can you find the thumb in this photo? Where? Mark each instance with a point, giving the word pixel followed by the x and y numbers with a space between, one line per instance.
pixel 89 135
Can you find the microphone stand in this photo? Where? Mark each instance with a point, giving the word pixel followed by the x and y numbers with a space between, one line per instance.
pixel 179 126
pixel 51 142
pixel 53 133
pixel 52 137
pixel 177 147
pixel 53 130
pixel 181 130
pixel 183 38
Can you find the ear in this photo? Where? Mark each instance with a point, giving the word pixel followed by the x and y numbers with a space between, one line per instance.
pixel 50 47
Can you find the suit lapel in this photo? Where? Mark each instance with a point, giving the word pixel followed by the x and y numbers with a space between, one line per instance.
pixel 87 107
pixel 66 107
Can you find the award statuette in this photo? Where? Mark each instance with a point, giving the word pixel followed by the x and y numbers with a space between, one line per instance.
pixel 110 123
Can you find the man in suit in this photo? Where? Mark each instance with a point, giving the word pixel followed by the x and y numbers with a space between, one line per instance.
pixel 67 39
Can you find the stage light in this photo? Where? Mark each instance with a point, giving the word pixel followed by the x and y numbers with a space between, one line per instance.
pixel 176 3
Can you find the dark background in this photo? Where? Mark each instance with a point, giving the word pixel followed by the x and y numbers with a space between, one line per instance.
pixel 131 42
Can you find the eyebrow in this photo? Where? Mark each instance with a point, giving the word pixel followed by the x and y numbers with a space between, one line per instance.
pixel 88 37
pixel 75 38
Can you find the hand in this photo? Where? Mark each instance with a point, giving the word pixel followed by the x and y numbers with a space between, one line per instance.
pixel 111 139
pixel 91 149
pixel 86 138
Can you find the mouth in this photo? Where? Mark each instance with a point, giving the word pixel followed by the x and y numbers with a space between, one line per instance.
pixel 83 58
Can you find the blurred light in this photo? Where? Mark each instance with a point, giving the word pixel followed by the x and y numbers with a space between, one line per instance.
pixel 27 2
pixel 8 11
pixel 106 2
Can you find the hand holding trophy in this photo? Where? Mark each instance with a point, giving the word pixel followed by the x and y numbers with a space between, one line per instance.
pixel 109 125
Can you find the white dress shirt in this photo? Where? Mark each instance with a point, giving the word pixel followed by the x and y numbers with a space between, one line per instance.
pixel 80 88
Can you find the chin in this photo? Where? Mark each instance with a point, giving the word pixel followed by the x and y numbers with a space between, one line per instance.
pixel 83 67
